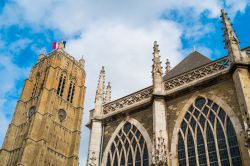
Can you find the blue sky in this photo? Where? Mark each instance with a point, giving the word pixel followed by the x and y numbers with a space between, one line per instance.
pixel 116 34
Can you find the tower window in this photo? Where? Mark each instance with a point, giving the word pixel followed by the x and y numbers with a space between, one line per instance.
pixel 31 111
pixel 35 86
pixel 71 91
pixel 61 84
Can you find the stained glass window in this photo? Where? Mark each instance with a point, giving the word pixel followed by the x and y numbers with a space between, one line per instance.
pixel 129 148
pixel 207 131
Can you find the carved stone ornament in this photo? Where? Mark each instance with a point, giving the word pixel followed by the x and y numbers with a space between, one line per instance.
pixel 159 155
pixel 62 115
pixel 92 159
pixel 199 73
pixel 127 101
pixel 247 138
pixel 210 69
pixel 158 70
pixel 31 111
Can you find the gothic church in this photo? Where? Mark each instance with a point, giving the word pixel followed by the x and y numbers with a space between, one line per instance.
pixel 196 114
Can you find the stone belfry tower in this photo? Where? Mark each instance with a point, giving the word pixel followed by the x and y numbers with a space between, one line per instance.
pixel 46 126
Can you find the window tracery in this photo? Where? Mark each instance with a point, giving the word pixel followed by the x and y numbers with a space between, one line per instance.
pixel 207 136
pixel 34 92
pixel 128 148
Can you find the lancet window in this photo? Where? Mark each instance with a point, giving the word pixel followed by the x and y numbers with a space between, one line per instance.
pixel 207 136
pixel 61 84
pixel 34 92
pixel 71 91
pixel 128 148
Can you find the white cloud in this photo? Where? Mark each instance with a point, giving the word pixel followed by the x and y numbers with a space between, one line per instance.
pixel 10 74
pixel 236 5
pixel 71 16
pixel 126 53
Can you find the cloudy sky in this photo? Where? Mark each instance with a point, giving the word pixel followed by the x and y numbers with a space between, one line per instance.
pixel 116 34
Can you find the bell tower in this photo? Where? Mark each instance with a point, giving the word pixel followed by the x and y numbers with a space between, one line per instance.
pixel 46 126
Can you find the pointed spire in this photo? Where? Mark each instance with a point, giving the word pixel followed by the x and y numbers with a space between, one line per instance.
pixel 231 40
pixel 82 62
pixel 108 94
pixel 100 86
pixel 168 67
pixel 157 70
pixel 42 54
pixel 99 99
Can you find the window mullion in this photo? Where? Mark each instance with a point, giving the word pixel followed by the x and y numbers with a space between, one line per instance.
pixel 216 142
pixel 226 139
pixel 186 147
pixel 205 142
pixel 195 144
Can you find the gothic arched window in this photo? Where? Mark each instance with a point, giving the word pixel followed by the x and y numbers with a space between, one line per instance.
pixel 34 92
pixel 207 136
pixel 128 148
pixel 71 91
pixel 61 84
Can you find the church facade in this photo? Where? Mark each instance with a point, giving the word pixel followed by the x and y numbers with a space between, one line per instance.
pixel 197 114
pixel 46 126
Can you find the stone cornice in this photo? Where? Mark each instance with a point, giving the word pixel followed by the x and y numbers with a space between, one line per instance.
pixel 184 80
pixel 60 154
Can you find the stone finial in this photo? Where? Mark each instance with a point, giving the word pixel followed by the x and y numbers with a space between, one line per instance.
pixel 60 45
pixel 168 67
pixel 99 99
pixel 231 40
pixel 157 70
pixel 108 93
pixel 100 86
pixel 156 60
pixel 156 48
pixel 42 54
pixel 82 62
